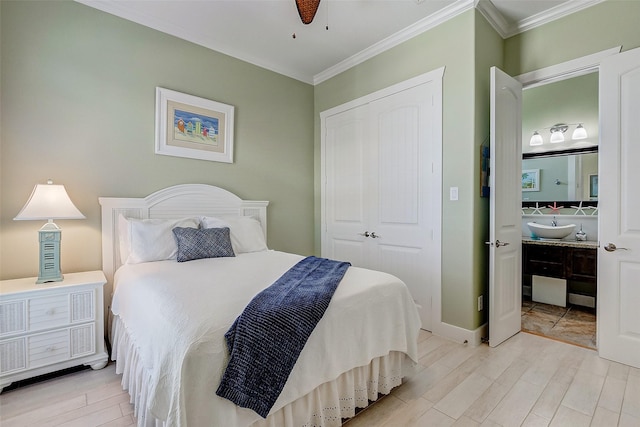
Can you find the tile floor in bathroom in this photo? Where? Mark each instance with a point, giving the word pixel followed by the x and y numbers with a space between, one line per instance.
pixel 572 324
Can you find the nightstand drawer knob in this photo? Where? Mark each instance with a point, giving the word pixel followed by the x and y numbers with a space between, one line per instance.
pixel 51 312
pixel 51 349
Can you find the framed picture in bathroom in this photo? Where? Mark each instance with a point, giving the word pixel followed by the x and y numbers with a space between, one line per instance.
pixel 593 187
pixel 531 180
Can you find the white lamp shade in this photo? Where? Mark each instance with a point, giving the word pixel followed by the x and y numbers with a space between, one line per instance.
pixel 536 139
pixel 579 133
pixel 556 137
pixel 48 202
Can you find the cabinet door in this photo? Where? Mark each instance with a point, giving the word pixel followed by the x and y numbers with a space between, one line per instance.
pixel 582 264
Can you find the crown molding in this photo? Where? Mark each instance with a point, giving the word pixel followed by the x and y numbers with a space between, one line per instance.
pixel 560 11
pixel 451 11
pixel 506 29
pixel 494 18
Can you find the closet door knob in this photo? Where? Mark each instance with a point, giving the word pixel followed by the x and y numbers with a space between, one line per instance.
pixel 365 234
pixel 374 235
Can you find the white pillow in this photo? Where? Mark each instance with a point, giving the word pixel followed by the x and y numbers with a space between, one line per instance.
pixel 246 232
pixel 146 240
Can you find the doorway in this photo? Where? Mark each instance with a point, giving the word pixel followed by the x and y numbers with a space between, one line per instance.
pixel 561 307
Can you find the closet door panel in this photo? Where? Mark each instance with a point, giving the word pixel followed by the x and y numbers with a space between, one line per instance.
pixel 346 207
pixel 400 192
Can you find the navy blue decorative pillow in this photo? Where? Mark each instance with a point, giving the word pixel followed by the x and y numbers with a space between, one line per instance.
pixel 195 243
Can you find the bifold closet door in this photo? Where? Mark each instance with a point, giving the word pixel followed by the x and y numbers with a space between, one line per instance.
pixel 378 170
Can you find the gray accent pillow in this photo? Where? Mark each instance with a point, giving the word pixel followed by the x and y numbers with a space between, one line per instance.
pixel 194 243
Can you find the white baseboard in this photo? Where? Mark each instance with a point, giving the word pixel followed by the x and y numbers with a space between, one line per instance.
pixel 461 335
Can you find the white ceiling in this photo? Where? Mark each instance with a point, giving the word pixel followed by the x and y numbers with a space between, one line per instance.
pixel 261 31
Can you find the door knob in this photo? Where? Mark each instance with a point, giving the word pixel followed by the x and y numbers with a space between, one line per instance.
pixel 374 235
pixel 612 248
pixel 365 234
pixel 498 243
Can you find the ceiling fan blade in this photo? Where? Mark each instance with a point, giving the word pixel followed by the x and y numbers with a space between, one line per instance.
pixel 307 9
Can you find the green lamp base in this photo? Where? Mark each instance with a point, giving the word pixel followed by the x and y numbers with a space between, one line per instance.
pixel 49 236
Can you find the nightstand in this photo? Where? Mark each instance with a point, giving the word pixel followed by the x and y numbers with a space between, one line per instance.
pixel 51 326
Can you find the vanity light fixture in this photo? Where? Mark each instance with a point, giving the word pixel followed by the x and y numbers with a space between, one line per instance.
pixel 579 133
pixel 49 202
pixel 557 134
pixel 536 139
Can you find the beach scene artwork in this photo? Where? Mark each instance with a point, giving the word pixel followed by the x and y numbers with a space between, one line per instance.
pixel 195 128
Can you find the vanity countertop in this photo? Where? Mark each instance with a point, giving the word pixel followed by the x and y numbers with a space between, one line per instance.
pixel 552 242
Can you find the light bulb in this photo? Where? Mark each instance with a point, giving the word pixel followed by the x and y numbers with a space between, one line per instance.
pixel 579 133
pixel 556 137
pixel 536 139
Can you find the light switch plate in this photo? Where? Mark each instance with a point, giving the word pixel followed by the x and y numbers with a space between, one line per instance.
pixel 453 193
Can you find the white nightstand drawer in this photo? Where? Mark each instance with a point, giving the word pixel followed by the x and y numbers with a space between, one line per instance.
pixel 48 312
pixel 13 317
pixel 45 349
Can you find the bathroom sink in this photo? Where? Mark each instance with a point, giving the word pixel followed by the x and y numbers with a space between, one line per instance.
pixel 550 231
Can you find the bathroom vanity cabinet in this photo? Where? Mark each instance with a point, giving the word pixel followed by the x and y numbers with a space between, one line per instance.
pixel 576 262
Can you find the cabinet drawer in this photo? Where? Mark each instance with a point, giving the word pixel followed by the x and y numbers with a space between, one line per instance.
pixel 13 317
pixel 545 253
pixel 48 312
pixel 45 349
pixel 544 268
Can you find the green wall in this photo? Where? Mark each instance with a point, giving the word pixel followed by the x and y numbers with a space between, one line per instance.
pixel 489 51
pixel 78 106
pixel 602 26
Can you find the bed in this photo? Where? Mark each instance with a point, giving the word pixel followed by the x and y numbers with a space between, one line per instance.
pixel 168 318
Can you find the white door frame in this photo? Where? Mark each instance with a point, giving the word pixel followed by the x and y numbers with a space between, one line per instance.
pixel 566 70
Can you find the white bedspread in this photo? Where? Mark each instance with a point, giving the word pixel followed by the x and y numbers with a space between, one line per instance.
pixel 177 315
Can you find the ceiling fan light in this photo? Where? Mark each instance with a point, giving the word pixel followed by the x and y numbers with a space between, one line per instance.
pixel 536 139
pixel 307 10
pixel 580 132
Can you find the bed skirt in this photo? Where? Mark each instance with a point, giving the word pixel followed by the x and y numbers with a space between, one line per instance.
pixel 325 406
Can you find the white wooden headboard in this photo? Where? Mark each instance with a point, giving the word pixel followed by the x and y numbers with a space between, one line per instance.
pixel 172 202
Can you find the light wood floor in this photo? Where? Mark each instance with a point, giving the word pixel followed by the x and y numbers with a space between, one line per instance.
pixel 528 381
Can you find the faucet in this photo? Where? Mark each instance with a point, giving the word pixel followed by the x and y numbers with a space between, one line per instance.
pixel 554 223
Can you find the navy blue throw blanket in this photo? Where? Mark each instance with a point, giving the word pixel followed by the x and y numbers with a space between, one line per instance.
pixel 266 339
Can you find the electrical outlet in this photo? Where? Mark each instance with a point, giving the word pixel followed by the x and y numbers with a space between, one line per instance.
pixel 480 303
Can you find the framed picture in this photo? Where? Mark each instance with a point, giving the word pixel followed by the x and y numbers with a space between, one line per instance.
pixel 531 180
pixel 193 127
pixel 593 186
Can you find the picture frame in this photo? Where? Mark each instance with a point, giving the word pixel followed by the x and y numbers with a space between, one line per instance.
pixel 531 180
pixel 593 186
pixel 193 127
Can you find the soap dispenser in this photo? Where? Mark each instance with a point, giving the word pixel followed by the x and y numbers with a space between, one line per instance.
pixel 581 236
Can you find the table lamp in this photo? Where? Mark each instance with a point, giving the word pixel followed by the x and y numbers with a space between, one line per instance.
pixel 49 202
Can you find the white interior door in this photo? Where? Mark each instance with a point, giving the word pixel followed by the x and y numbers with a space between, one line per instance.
pixel 345 202
pixel 381 189
pixel 505 229
pixel 619 209
pixel 401 134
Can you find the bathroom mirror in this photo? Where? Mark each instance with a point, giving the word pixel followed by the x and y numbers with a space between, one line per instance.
pixel 563 178
pixel 566 170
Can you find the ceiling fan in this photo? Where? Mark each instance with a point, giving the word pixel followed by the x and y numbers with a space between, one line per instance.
pixel 307 9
